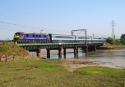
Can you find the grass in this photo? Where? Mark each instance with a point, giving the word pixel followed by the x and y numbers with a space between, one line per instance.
pixel 101 71
pixel 119 46
pixel 33 72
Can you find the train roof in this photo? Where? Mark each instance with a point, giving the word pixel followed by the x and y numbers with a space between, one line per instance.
pixel 63 34
pixel 30 33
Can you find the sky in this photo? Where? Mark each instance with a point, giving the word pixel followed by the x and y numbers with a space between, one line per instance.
pixel 61 16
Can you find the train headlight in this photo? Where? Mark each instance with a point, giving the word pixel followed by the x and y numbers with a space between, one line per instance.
pixel 16 37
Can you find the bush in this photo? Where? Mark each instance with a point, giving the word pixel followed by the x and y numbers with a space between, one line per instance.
pixel 122 39
pixel 12 49
pixel 117 42
pixel 110 40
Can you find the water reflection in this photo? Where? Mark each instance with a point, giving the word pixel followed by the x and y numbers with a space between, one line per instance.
pixel 54 54
pixel 68 55
pixel 115 58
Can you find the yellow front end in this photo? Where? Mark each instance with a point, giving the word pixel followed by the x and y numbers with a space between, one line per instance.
pixel 16 37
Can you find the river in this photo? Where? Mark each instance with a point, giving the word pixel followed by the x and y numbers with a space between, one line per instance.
pixel 110 58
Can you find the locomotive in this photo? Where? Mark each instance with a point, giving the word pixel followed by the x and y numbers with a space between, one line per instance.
pixel 43 37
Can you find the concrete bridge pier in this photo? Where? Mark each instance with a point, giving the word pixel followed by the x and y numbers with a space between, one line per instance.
pixel 76 52
pixel 90 48
pixel 86 50
pixel 82 49
pixel 94 47
pixel 38 52
pixel 64 53
pixel 48 53
pixel 60 53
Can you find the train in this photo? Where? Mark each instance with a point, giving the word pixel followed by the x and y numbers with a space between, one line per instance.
pixel 44 37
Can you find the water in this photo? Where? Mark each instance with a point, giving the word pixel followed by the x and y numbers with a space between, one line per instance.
pixel 110 58
pixel 54 54
pixel 69 54
pixel 114 58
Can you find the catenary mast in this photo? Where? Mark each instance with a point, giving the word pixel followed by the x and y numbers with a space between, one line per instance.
pixel 113 29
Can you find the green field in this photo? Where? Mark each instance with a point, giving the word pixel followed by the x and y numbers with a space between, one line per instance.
pixel 32 72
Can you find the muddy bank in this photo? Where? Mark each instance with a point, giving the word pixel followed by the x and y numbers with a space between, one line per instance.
pixel 113 58
pixel 73 64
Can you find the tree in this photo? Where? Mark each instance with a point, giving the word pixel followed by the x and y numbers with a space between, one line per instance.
pixel 122 39
pixel 110 40
pixel 117 42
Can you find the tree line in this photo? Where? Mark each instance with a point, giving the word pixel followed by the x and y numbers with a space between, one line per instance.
pixel 120 41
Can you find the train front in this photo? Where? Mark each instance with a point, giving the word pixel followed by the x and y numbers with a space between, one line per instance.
pixel 17 36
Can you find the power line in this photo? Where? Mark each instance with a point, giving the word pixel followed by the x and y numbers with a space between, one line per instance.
pixel 19 25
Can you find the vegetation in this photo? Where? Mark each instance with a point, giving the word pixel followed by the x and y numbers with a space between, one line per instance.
pixel 33 72
pixel 110 40
pixel 117 43
pixel 7 50
pixel 12 49
pixel 100 71
pixel 123 39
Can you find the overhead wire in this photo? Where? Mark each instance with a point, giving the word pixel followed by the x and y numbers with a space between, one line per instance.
pixel 19 25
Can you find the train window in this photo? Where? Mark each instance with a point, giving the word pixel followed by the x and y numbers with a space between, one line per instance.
pixel 33 35
pixel 39 35
pixel 36 35
pixel 44 36
pixel 63 37
pixel 27 35
pixel 81 37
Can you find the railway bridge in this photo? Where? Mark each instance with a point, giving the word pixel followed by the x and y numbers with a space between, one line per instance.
pixel 61 47
pixel 35 42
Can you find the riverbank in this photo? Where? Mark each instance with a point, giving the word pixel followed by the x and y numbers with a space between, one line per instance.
pixel 110 46
pixel 119 46
pixel 34 72
pixel 74 64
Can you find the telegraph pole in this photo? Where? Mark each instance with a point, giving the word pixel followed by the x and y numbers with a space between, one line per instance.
pixel 113 29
